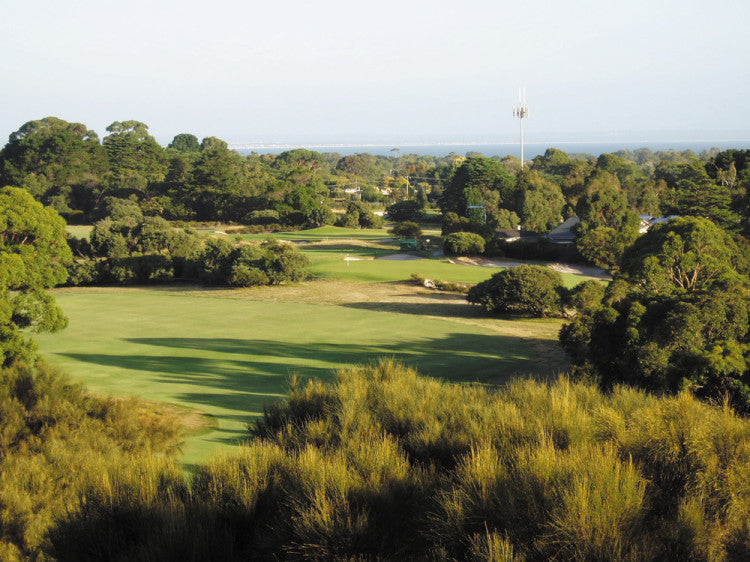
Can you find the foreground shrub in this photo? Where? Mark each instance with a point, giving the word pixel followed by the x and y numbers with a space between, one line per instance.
pixel 56 441
pixel 384 464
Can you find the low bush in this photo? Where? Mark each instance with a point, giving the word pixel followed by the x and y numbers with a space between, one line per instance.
pixel 526 289
pixel 447 286
pixel 404 211
pixel 245 276
pixel 359 215
pixel 84 272
pixel 463 244
pixel 450 287
pixel 406 229
pixel 451 222
pixel 263 217
pixel 542 250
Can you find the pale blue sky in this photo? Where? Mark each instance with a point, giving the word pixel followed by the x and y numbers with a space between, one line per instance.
pixel 386 71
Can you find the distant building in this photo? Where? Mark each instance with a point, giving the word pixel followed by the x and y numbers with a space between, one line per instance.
pixel 647 221
pixel 516 234
pixel 508 234
pixel 563 234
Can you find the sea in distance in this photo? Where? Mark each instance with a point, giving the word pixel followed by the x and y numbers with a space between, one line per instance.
pixel 530 149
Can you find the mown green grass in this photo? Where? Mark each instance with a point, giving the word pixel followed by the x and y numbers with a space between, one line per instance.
pixel 218 353
pixel 227 356
pixel 333 264
pixel 324 233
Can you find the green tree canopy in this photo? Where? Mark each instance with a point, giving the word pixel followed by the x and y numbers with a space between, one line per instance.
pixel 55 152
pixel 59 163
pixel 219 177
pixel 479 181
pixel 136 159
pixel 603 202
pixel 554 161
pixel 33 257
pixel 676 317
pixel 542 202
pixel 185 142
pixel 683 254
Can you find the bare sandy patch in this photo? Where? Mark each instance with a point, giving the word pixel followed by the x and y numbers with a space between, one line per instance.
pixel 485 262
pixel 583 270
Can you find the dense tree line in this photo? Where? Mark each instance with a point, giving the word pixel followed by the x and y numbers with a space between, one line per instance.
pixel 66 166
pixel 676 317
pixel 607 193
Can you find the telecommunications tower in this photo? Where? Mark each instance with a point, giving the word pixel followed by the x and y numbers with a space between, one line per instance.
pixel 522 112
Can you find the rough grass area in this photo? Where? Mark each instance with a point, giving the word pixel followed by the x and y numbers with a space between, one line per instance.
pixel 226 352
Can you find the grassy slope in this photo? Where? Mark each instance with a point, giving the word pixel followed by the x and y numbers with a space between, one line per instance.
pixel 226 352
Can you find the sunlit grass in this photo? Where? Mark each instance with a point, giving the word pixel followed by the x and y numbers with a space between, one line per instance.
pixel 324 233
pixel 224 354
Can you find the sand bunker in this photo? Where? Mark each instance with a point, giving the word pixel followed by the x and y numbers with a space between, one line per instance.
pixel 586 271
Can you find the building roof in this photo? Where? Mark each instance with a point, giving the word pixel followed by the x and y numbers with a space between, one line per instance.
pixel 563 233
pixel 508 233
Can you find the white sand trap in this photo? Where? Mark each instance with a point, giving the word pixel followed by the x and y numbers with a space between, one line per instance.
pixel 586 271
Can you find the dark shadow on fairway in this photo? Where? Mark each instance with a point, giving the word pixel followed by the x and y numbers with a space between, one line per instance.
pixel 247 377
pixel 447 307
pixel 458 356
pixel 442 305
pixel 349 249
pixel 253 373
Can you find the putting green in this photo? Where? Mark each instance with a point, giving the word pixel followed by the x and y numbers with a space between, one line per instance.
pixel 227 356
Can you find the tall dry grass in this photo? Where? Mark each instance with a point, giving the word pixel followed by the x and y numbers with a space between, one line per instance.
pixel 383 464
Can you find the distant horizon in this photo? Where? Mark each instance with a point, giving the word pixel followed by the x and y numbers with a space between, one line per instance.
pixel 531 149
pixel 398 144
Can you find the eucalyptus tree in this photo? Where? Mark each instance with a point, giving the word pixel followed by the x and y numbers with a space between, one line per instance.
pixel 33 258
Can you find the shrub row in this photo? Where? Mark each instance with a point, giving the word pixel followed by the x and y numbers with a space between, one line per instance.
pixel 218 262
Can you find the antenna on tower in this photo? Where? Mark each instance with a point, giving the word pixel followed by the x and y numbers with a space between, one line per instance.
pixel 522 112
